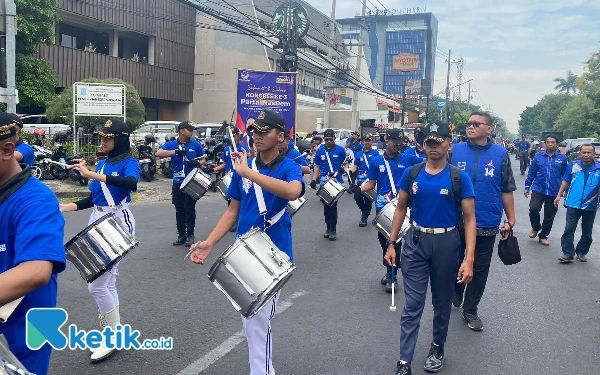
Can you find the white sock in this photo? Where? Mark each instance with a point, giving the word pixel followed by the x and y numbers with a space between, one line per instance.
pixel 434 343
pixel 403 362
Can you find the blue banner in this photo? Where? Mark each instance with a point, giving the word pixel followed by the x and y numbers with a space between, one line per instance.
pixel 256 91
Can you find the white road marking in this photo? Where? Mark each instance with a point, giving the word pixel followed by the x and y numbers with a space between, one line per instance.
pixel 234 340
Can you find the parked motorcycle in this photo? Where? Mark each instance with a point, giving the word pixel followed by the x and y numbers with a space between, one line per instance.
pixel 166 167
pixel 41 162
pixel 146 158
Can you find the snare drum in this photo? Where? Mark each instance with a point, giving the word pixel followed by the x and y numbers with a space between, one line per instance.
pixel 100 246
pixel 371 194
pixel 331 191
pixel 196 184
pixel 295 206
pixel 251 271
pixel 9 363
pixel 223 185
pixel 383 220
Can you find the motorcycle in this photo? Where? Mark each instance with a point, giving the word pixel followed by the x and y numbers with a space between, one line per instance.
pixel 59 163
pixel 41 163
pixel 146 158
pixel 166 168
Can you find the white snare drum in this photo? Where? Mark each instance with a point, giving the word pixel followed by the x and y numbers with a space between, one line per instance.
pixel 196 184
pixel 100 246
pixel 251 271
pixel 9 363
pixel 295 206
pixel 223 185
pixel 383 220
pixel 371 194
pixel 331 191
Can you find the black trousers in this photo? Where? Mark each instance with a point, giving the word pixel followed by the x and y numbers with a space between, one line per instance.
pixel 185 211
pixel 524 161
pixel 484 249
pixel 587 228
pixel 331 213
pixel 363 203
pixel 535 206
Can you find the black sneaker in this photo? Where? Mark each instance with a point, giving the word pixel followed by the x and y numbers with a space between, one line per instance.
pixel 435 359
pixel 326 235
pixel 332 236
pixel 233 228
pixel 473 321
pixel 388 286
pixel 189 240
pixel 581 258
pixel 403 369
pixel 386 278
pixel 457 300
pixel 565 259
pixel 180 240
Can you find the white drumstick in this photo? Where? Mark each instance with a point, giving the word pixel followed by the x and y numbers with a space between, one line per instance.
pixel 61 164
pixel 188 254
pixel 393 306
pixel 232 141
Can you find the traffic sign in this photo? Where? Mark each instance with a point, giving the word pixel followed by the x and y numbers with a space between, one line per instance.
pixel 441 104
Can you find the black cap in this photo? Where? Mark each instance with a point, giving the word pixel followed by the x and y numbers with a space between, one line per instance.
pixel 112 128
pixel 8 124
pixel 367 137
pixel 396 135
pixel 235 130
pixel 354 133
pixel 267 120
pixel 438 131
pixel 329 133
pixel 186 125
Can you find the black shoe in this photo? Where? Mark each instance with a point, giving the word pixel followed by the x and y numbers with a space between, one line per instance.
pixel 473 321
pixel 180 240
pixel 457 300
pixel 189 240
pixel 387 277
pixel 332 235
pixel 388 286
pixel 363 220
pixel 233 228
pixel 403 369
pixel 326 235
pixel 435 359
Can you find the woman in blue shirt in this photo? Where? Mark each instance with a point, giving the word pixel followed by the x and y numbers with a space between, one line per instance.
pixel 112 183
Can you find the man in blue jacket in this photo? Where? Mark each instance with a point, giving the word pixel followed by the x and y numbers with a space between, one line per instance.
pixel 488 165
pixel 544 179
pixel 582 179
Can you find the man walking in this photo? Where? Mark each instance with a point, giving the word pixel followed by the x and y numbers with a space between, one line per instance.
pixel 582 178
pixel 544 180
pixel 360 169
pixel 488 165
pixel 524 148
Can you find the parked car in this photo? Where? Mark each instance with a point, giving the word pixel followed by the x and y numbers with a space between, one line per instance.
pixel 301 135
pixel 341 135
pixel 159 129
pixel 32 122
pixel 206 130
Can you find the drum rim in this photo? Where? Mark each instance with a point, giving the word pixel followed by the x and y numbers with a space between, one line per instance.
pixel 86 229
pixel 280 281
pixel 189 177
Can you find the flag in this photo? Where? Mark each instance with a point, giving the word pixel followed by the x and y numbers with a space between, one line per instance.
pixel 422 114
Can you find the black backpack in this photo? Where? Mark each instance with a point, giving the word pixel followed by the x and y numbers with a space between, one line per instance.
pixel 456 188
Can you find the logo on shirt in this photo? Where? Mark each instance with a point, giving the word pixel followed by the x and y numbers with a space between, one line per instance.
pixel 382 168
pixel 401 166
pixel 246 185
pixel 415 187
pixel 322 157
pixel 443 191
pixel 462 165
pixel 2 247
pixel 490 164
pixel 335 156
pixel 115 173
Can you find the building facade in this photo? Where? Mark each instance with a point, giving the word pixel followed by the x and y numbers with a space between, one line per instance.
pixel 390 35
pixel 147 43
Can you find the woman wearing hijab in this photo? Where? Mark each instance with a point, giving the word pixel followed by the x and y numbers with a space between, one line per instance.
pixel 112 183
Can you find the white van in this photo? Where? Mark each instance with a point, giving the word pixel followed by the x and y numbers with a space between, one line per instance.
pixel 32 122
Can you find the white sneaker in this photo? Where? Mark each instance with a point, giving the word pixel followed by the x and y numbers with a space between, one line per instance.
pixel 112 319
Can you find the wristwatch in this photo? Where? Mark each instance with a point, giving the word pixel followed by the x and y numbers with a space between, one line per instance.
pixel 388 243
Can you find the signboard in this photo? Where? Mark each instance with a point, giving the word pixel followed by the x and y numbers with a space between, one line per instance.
pixel 384 125
pixel 395 12
pixel 441 104
pixel 405 62
pixel 256 91
pixel 343 92
pixel 99 100
pixel 278 18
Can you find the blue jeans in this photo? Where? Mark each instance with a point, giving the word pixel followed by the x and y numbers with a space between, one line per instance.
pixel 587 226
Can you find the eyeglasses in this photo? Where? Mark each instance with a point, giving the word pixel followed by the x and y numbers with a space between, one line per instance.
pixel 475 124
pixel 329 139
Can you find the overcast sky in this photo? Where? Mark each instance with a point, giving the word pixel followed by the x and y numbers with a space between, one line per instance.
pixel 512 49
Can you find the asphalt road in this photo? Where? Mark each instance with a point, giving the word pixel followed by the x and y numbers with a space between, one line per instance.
pixel 540 317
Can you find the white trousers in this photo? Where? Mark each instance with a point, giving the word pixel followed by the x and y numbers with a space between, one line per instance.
pixel 104 288
pixel 259 338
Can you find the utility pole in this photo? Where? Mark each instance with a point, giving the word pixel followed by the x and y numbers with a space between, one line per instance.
pixel 459 66
pixel 469 98
pixel 11 31
pixel 403 100
pixel 448 88
pixel 355 125
pixel 327 114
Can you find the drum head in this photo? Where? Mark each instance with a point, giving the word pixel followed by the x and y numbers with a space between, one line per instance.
pixel 189 177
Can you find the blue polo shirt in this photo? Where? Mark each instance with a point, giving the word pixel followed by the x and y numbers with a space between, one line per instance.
pixel 193 151
pixel 337 157
pixel 242 190
pixel 27 152
pixel 524 146
pixel 124 168
pixel 378 172
pixel 32 229
pixel 296 156
pixel 355 147
pixel 410 151
pixel 226 157
pixel 433 204
pixel 361 160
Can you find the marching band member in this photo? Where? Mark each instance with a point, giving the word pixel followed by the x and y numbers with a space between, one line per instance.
pixel 31 251
pixel 388 187
pixel 281 181
pixel 293 154
pixel 112 183
pixel 186 154
pixel 329 162
pixel 360 169
pixel 23 153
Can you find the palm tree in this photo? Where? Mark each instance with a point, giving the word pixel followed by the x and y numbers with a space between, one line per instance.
pixel 567 84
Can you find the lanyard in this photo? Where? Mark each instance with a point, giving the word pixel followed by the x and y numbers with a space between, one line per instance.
pixel 389 171
pixel 262 207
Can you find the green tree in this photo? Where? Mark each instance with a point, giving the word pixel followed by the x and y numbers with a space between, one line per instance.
pixel 578 119
pixel 542 116
pixel 567 84
pixel 589 82
pixel 62 105
pixel 35 80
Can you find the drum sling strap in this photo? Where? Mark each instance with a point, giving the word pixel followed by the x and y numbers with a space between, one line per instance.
pixel 334 173
pixel 106 192
pixel 262 207
pixel 389 171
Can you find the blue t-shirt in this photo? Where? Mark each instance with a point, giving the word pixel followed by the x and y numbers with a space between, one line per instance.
pixel 363 161
pixel 337 157
pixel 32 229
pixel 378 172
pixel 355 147
pixel 524 146
pixel 249 217
pixel 125 168
pixel 193 151
pixel 410 151
pixel 27 152
pixel 296 156
pixel 226 157
pixel 433 204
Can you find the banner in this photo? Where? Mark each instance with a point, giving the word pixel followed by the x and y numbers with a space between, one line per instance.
pixel 256 91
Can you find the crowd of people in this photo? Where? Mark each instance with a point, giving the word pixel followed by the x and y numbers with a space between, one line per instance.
pixel 457 196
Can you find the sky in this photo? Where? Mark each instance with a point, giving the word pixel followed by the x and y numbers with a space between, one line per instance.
pixel 513 49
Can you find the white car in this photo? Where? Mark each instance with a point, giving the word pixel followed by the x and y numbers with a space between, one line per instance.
pixel 161 130
pixel 32 122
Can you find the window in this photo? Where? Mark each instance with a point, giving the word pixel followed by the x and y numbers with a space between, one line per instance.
pixel 80 38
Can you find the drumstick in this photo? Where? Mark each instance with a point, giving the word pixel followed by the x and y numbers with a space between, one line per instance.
pixel 188 254
pixel 393 307
pixel 61 164
pixel 232 141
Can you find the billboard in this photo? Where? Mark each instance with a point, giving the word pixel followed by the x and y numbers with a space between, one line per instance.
pixel 405 62
pixel 99 99
pixel 257 91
